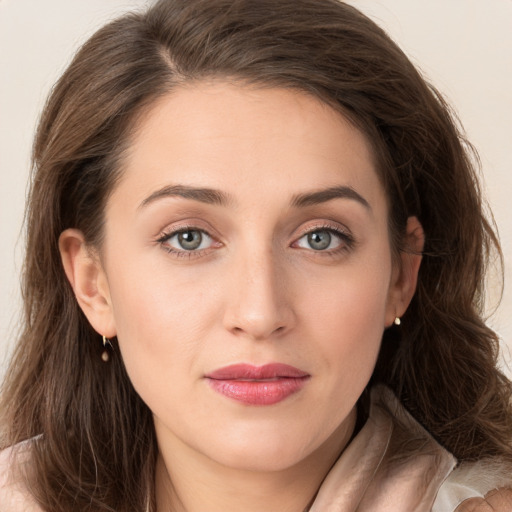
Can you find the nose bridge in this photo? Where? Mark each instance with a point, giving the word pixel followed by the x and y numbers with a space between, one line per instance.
pixel 259 306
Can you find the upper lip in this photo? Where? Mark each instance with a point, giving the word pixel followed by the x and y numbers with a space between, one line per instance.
pixel 251 372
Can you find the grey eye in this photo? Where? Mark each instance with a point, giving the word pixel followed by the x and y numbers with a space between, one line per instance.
pixel 190 240
pixel 322 239
pixel 319 240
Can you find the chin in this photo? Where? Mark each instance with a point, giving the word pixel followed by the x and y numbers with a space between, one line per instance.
pixel 263 450
pixel 261 461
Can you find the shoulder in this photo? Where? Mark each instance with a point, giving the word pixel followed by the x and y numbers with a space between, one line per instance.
pixel 14 495
pixel 498 500
pixel 482 486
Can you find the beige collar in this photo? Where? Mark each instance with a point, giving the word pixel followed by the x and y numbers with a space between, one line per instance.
pixel 392 465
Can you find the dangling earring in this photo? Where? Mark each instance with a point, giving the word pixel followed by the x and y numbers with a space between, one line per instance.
pixel 397 321
pixel 105 355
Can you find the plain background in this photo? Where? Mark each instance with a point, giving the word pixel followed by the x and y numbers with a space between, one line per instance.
pixel 464 47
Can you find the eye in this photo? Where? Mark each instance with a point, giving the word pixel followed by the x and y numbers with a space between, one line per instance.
pixel 323 240
pixel 187 240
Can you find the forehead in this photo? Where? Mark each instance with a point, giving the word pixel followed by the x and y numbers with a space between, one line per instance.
pixel 224 135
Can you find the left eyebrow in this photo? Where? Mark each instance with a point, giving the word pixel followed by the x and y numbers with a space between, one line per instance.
pixel 328 194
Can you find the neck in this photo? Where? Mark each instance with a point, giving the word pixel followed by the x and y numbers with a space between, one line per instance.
pixel 189 482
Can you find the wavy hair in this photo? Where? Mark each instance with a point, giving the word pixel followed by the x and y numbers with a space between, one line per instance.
pixel 93 437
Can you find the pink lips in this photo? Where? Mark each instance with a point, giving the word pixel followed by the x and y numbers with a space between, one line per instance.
pixel 257 385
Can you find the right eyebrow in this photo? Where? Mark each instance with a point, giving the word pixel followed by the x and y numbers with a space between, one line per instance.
pixel 203 195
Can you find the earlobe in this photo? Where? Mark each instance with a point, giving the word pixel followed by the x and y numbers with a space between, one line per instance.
pixel 405 277
pixel 88 280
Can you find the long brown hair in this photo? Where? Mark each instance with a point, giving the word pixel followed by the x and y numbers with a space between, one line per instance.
pixel 94 446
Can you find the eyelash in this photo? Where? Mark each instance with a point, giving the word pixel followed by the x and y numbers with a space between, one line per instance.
pixel 347 241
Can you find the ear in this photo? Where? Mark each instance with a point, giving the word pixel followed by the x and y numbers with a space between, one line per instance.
pixel 405 274
pixel 88 280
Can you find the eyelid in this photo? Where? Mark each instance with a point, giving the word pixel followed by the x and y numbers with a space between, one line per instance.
pixel 185 224
pixel 334 226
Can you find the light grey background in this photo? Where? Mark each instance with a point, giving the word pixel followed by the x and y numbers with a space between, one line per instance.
pixel 463 46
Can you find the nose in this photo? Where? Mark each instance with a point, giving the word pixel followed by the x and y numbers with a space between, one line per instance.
pixel 259 305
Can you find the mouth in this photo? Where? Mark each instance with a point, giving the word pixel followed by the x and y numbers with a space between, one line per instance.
pixel 257 385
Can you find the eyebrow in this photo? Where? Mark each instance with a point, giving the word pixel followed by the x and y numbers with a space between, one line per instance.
pixel 203 195
pixel 322 196
pixel 216 197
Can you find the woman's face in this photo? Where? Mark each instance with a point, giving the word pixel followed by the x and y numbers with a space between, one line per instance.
pixel 247 271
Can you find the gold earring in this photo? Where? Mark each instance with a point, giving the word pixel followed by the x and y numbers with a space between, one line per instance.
pixel 105 355
pixel 397 321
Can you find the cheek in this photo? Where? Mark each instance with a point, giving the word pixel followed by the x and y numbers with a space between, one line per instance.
pixel 162 322
pixel 346 312
pixel 352 297
pixel 152 299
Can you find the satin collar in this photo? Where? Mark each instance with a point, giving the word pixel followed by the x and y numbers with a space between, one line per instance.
pixel 392 465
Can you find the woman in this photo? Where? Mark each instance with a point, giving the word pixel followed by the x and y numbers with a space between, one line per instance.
pixel 253 286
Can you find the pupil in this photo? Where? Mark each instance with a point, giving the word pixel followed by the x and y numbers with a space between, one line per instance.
pixel 190 240
pixel 319 240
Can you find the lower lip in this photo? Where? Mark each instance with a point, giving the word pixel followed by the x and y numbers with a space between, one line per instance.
pixel 259 392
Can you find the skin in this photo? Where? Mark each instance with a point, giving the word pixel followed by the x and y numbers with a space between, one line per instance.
pixel 256 291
